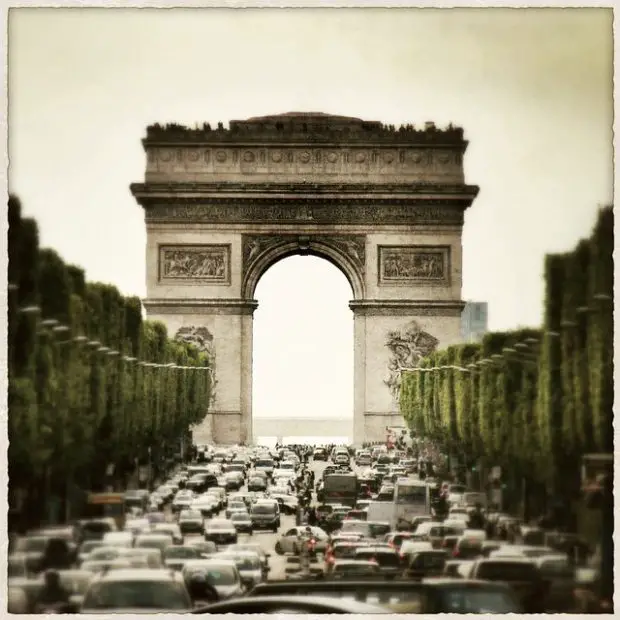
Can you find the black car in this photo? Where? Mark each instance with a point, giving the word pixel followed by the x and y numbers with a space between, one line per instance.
pixel 256 483
pixel 265 515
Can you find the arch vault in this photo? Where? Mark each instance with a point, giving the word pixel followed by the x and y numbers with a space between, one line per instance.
pixel 385 206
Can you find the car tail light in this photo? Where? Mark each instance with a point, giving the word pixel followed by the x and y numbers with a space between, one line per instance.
pixel 455 553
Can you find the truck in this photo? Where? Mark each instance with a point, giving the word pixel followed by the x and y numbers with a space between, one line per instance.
pixel 340 488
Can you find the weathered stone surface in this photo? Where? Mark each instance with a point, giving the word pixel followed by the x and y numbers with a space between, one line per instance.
pixel 385 206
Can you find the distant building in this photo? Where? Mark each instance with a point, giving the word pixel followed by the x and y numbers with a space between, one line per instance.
pixel 474 321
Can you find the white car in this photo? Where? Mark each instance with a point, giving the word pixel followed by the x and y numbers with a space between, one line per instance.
pixel 289 541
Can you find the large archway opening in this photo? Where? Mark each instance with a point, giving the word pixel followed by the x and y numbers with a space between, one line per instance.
pixel 302 353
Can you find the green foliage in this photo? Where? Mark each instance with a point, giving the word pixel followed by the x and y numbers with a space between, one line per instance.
pixel 533 401
pixel 74 409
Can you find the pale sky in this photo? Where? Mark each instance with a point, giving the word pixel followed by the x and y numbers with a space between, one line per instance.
pixel 532 89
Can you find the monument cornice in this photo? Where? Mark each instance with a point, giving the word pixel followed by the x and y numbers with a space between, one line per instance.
pixel 409 307
pixel 186 305
pixel 145 190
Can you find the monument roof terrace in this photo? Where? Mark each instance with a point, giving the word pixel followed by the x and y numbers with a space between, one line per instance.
pixel 306 128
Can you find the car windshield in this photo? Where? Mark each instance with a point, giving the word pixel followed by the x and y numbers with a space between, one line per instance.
pixel 457 488
pixel 263 509
pixel 240 516
pixel 191 515
pixel 137 595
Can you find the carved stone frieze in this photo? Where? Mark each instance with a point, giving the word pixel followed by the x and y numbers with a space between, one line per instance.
pixel 408 265
pixel 205 263
pixel 367 213
pixel 407 347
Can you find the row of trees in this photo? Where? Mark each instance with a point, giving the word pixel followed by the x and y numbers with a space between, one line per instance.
pixel 532 401
pixel 93 388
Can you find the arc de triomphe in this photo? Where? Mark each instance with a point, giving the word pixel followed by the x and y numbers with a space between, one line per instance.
pixel 385 206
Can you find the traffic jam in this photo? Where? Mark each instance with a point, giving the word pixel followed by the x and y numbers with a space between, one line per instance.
pixel 297 529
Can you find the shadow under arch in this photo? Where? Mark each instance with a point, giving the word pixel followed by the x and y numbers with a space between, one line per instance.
pixel 347 262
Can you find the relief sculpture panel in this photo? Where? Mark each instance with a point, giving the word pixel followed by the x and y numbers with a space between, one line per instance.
pixel 204 263
pixel 406 265
pixel 407 347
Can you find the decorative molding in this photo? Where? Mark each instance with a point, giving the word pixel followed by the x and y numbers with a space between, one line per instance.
pixel 413 265
pixel 197 263
pixel 200 306
pixel 255 246
pixel 142 191
pixel 410 308
pixel 408 347
pixel 347 252
pixel 366 212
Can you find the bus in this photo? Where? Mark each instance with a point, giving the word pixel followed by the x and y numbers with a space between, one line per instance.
pixel 412 498
pixel 101 505
pixel 340 489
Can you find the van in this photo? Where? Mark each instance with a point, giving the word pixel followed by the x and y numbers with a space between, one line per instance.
pixel 265 514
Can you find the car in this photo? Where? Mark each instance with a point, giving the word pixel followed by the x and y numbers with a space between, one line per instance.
pixel 248 564
pixel 430 596
pixel 319 454
pixel 289 605
pixel 221 573
pixel 206 547
pixel 256 483
pixel 171 529
pixel 153 541
pixel 386 559
pixel 290 541
pixel 191 522
pixel 175 556
pixel 131 590
pixel 207 505
pixel 353 568
pixel 242 522
pixel 265 514
pixel 221 531
pixel 236 505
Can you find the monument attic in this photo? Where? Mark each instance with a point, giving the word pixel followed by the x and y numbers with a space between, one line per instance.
pixel 384 205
